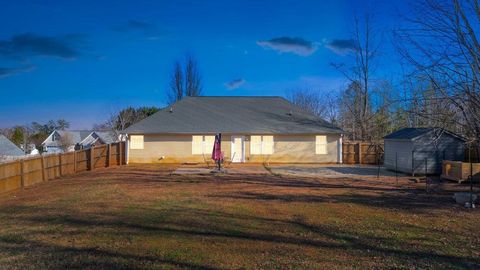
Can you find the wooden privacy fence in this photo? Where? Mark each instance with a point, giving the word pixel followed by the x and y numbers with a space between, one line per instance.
pixel 362 153
pixel 26 172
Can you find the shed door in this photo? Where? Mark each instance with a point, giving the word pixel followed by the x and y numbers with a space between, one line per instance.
pixel 238 149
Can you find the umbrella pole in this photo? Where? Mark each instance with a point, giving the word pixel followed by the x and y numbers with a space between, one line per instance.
pixel 219 160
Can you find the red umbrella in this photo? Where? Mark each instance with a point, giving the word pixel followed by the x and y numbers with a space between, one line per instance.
pixel 217 149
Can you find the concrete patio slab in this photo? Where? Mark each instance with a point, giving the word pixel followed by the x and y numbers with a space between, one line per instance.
pixel 333 170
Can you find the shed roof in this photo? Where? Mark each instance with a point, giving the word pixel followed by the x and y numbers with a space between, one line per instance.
pixel 8 148
pixel 413 133
pixel 247 115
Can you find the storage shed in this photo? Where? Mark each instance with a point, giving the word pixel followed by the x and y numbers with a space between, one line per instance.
pixel 421 150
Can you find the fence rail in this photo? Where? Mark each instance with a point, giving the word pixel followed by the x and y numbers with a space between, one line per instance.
pixel 26 172
pixel 362 153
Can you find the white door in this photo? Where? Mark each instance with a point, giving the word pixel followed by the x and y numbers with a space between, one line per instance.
pixel 238 149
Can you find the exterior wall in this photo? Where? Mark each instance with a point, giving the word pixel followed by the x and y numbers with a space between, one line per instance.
pixel 298 149
pixel 447 147
pixel 287 149
pixel 403 151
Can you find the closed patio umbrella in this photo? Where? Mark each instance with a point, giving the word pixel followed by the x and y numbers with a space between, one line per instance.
pixel 217 150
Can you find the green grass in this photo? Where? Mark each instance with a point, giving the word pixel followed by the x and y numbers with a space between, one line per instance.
pixel 144 218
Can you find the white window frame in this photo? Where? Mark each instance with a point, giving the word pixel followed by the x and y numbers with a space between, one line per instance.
pixel 206 149
pixel 137 145
pixel 262 147
pixel 321 144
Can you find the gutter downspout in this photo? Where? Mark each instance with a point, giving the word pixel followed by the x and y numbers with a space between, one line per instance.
pixel 127 147
pixel 340 149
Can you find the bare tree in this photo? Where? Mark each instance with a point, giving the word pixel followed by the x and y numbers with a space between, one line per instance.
pixel 121 119
pixel 176 84
pixel 193 81
pixel 441 43
pixel 66 142
pixel 185 80
pixel 359 74
pixel 321 105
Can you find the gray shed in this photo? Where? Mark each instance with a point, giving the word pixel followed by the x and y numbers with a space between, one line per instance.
pixel 417 150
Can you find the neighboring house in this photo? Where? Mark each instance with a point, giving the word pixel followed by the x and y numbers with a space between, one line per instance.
pixel 420 150
pixel 8 150
pixel 254 129
pixel 68 140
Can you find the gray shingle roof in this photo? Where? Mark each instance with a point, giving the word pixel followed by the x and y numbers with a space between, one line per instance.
pixel 85 137
pixel 244 115
pixel 8 148
pixel 105 136
pixel 413 133
pixel 76 135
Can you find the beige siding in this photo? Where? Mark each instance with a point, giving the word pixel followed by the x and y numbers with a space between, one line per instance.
pixel 287 149
pixel 298 149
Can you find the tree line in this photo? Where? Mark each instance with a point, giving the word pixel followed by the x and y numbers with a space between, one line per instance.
pixel 438 49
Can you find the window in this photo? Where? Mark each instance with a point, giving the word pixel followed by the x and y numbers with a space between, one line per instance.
pixel 136 142
pixel 208 142
pixel 321 145
pixel 255 145
pixel 261 145
pixel 202 144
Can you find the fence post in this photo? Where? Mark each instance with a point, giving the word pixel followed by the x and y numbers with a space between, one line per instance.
pixel 91 157
pixel 359 153
pixel 108 155
pixel 22 177
pixel 426 177
pixel 471 174
pixel 43 169
pixel 396 167
pixel 74 161
pixel 120 160
pixel 60 163
pixel 413 163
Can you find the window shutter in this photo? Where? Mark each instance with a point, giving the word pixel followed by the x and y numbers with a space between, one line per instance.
pixel 136 142
pixel 255 145
pixel 209 141
pixel 197 145
pixel 321 145
pixel 267 146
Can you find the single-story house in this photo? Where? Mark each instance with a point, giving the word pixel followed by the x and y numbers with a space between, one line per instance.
pixel 254 129
pixel 8 150
pixel 68 140
pixel 420 150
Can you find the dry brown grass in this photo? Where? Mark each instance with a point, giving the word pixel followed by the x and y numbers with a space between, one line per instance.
pixel 141 217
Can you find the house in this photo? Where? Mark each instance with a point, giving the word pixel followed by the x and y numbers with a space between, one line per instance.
pixel 254 129
pixel 8 150
pixel 68 140
pixel 420 150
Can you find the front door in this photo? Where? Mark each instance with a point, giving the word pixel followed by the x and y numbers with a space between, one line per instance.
pixel 238 149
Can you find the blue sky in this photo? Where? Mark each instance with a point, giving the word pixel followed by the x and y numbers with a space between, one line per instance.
pixel 82 60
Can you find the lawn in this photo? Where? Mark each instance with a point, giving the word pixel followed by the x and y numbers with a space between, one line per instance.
pixel 141 217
